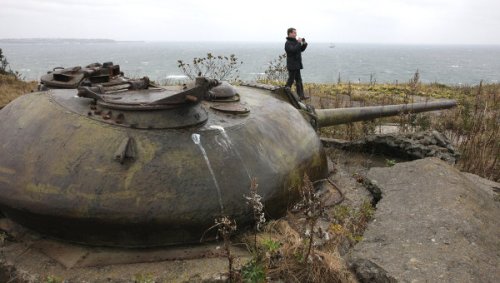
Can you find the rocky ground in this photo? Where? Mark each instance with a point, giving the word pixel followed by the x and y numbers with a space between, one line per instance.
pixel 432 222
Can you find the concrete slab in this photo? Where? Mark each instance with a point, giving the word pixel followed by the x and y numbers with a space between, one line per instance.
pixel 29 257
pixel 432 225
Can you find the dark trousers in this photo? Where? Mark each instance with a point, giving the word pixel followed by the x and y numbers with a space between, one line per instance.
pixel 294 75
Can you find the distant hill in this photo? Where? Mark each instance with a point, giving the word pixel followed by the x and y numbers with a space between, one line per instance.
pixel 55 40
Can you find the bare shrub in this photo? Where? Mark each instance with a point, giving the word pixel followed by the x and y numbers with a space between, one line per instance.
pixel 215 67
pixel 276 71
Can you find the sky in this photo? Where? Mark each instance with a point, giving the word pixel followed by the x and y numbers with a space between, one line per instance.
pixel 335 21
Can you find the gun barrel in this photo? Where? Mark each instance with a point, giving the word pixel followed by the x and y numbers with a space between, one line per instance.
pixel 337 116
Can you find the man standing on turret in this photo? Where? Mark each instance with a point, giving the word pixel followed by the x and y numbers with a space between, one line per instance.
pixel 294 47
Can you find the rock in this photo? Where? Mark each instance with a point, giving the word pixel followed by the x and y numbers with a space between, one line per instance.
pixel 440 138
pixel 490 187
pixel 432 225
pixel 405 146
pixel 369 272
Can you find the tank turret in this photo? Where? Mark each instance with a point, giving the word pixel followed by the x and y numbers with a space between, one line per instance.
pixel 119 162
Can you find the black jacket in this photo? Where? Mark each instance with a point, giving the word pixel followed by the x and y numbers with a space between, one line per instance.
pixel 294 51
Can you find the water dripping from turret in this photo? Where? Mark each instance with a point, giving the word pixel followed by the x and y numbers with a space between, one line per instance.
pixel 197 140
pixel 234 149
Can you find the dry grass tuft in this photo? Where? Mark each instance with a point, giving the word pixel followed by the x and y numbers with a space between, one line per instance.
pixel 473 128
pixel 295 249
pixel 322 266
pixel 11 88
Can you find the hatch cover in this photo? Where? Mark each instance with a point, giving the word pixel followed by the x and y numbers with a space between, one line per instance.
pixel 231 108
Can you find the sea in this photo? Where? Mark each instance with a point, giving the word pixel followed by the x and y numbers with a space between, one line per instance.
pixel 323 62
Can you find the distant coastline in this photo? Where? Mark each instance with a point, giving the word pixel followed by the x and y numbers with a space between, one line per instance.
pixel 55 40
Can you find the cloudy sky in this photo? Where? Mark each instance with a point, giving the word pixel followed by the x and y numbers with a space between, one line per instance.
pixel 338 21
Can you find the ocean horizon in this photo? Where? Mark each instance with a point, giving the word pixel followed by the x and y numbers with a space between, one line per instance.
pixel 324 62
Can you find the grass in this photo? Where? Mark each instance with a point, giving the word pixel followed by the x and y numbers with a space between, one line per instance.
pixel 287 250
pixel 144 278
pixel 349 223
pixel 472 126
pixel 52 279
pixel 11 87
pixel 283 257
